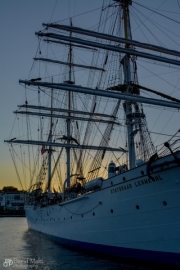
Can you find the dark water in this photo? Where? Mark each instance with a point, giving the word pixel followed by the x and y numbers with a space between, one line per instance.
pixel 28 250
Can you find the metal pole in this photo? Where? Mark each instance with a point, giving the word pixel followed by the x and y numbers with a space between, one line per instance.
pixel 112 48
pixel 50 147
pixel 104 93
pixel 127 104
pixel 113 38
pixel 69 120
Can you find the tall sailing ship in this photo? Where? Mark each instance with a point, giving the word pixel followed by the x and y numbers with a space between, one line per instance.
pixel 97 181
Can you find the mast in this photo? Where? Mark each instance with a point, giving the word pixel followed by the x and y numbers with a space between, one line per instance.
pixel 127 80
pixel 50 147
pixel 68 168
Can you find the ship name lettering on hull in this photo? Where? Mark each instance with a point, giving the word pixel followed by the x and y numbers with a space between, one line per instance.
pixel 121 188
pixel 137 184
pixel 148 181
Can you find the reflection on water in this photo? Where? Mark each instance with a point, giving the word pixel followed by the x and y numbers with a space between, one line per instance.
pixel 23 246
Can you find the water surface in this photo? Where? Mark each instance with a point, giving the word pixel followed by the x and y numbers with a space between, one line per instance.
pixel 29 250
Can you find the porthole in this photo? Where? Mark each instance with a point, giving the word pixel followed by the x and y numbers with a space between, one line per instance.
pixel 82 216
pixel 93 214
pixel 124 179
pixel 112 211
pixel 137 206
pixel 164 203
pixel 142 172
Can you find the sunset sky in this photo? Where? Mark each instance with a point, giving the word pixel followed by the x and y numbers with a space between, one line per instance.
pixel 20 19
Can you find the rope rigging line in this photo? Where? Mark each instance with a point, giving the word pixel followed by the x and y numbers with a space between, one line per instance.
pixel 24 174
pixel 15 166
pixel 158 40
pixel 156 75
pixel 155 25
pixel 90 81
pixel 156 12
pixel 178 3
pixel 99 203
pixel 52 11
pixel 79 15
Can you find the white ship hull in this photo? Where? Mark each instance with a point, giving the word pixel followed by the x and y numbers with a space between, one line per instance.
pixel 135 217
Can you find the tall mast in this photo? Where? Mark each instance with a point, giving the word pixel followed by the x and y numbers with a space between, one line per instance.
pixel 50 147
pixel 68 169
pixel 127 80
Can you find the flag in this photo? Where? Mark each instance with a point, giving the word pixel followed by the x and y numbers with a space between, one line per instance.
pixel 43 150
